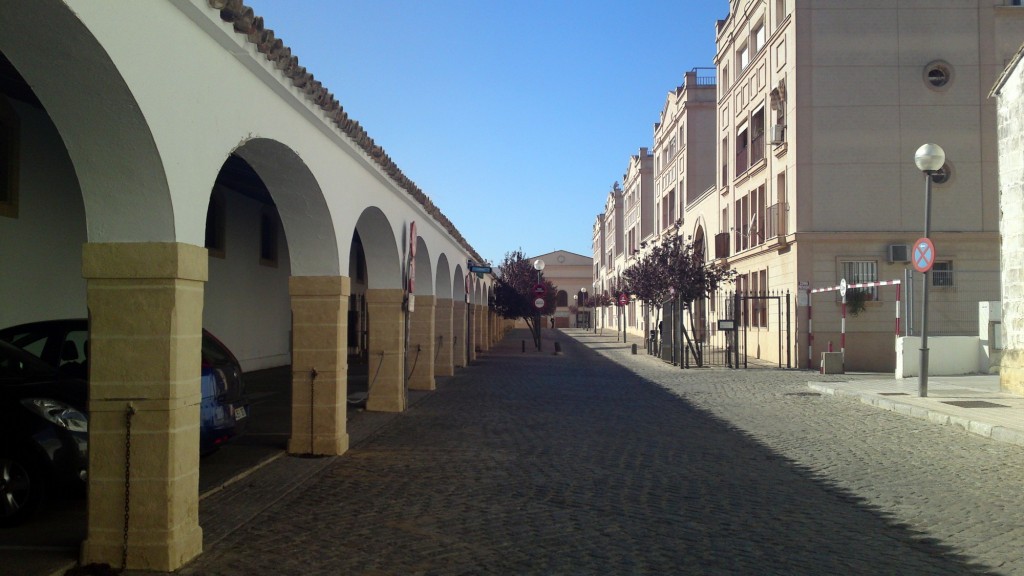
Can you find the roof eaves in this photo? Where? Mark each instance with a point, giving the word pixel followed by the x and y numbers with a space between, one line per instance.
pixel 245 21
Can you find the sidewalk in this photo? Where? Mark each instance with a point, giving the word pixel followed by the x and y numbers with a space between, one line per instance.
pixel 973 403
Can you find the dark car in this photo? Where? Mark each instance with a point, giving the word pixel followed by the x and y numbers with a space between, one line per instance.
pixel 223 410
pixel 44 433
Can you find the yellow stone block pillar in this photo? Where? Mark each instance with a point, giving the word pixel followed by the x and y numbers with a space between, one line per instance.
pixel 146 316
pixel 481 327
pixel 488 341
pixel 422 344
pixel 459 334
pixel 443 365
pixel 386 320
pixel 473 335
pixel 319 364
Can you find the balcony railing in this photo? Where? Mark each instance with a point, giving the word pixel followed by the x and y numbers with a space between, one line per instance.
pixel 757 148
pixel 741 161
pixel 775 223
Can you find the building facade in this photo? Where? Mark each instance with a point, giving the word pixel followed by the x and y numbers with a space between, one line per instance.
pixel 817 130
pixel 216 184
pixel 571 275
pixel 810 132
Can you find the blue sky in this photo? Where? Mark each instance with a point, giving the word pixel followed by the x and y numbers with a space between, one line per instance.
pixel 514 117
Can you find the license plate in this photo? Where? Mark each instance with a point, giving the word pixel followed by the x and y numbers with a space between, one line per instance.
pixel 240 413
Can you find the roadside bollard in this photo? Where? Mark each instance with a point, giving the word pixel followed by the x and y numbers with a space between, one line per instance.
pixel 634 349
pixel 558 348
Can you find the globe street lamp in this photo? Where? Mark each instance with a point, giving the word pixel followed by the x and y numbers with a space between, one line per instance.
pixel 929 159
pixel 584 305
pixel 538 265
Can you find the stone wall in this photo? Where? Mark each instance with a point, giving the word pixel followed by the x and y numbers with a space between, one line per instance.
pixel 1011 206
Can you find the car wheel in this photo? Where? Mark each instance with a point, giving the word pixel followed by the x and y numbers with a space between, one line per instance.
pixel 21 490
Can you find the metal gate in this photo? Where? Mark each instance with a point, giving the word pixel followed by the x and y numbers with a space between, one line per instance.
pixel 732 330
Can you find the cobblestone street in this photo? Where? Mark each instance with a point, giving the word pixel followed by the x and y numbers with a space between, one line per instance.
pixel 596 461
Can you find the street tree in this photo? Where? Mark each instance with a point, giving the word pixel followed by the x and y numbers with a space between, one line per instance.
pixel 649 282
pixel 598 302
pixel 676 269
pixel 514 293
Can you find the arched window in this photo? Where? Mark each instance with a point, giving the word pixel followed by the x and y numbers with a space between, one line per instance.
pixel 699 250
pixel 562 298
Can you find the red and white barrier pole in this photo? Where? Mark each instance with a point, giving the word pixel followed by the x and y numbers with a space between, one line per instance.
pixel 810 335
pixel 898 287
pixel 842 330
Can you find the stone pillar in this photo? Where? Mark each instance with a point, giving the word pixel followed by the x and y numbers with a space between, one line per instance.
pixel 443 330
pixel 146 317
pixel 422 344
pixel 487 326
pixel 481 317
pixel 319 364
pixel 387 343
pixel 471 323
pixel 459 337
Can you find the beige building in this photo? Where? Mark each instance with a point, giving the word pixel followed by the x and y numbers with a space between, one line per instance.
pixel 609 251
pixel 571 275
pixel 658 184
pixel 638 204
pixel 684 157
pixel 794 167
pixel 821 106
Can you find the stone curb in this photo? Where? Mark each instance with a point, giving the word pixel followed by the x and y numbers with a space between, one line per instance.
pixel 993 432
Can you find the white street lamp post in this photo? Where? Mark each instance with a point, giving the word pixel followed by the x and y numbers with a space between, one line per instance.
pixel 929 159
pixel 538 265
pixel 584 306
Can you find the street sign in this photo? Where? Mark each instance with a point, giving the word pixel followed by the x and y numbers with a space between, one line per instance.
pixel 539 289
pixel 538 303
pixel 726 324
pixel 924 255
pixel 623 299
pixel 480 269
pixel 842 289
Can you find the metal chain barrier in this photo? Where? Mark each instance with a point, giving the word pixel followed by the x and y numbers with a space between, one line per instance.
pixel 129 413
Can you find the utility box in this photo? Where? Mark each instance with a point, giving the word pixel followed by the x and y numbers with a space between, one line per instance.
pixel 832 363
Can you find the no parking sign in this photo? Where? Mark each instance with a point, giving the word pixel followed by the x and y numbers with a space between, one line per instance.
pixel 924 255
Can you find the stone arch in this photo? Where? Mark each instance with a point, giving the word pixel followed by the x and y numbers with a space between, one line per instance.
pixel 383 261
pixel 304 212
pixel 459 283
pixel 700 243
pixel 90 102
pixel 424 270
pixel 443 286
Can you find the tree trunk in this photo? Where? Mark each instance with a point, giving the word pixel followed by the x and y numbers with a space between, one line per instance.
pixel 698 355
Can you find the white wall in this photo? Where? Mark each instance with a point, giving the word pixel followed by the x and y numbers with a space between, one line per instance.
pixel 246 303
pixel 947 355
pixel 41 249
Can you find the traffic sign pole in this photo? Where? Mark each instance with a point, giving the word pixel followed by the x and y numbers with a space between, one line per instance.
pixel 928 259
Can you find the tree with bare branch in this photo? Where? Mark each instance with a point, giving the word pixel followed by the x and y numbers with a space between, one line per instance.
pixel 514 297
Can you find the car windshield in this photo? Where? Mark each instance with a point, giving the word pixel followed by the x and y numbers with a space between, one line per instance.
pixel 16 363
pixel 214 352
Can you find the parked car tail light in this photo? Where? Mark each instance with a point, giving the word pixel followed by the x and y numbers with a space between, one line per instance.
pixel 58 413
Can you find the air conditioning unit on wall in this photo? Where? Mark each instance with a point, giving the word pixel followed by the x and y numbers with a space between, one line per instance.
pixel 899 253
